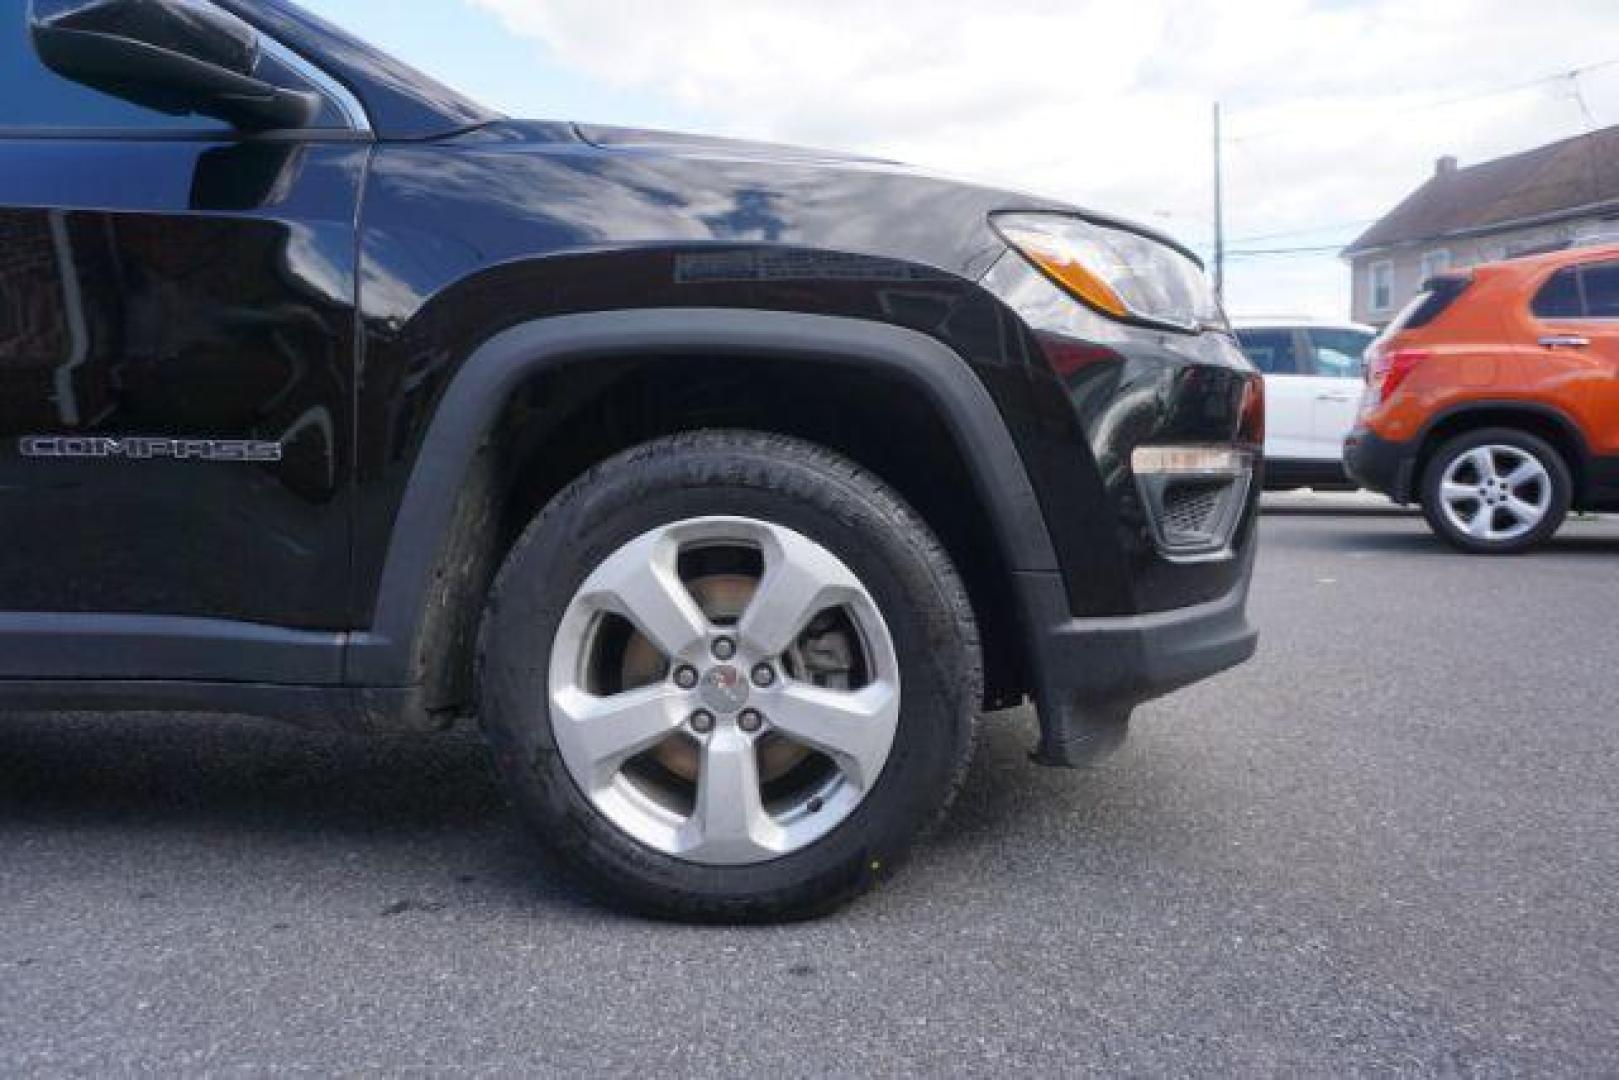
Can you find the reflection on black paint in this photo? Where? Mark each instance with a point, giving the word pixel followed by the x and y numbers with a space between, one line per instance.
pixel 752 217
pixel 181 290
pixel 246 176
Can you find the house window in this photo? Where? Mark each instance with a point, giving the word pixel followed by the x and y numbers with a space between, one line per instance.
pixel 1435 262
pixel 1382 285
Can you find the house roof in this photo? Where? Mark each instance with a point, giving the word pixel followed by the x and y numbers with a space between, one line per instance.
pixel 1546 183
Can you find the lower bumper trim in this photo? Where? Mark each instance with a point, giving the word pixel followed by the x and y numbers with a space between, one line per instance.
pixel 1381 465
pixel 1091 673
pixel 1289 474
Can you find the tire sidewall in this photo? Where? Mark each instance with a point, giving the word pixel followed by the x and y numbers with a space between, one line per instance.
pixel 871 532
pixel 1433 506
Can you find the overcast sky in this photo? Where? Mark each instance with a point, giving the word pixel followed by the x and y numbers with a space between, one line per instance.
pixel 1334 109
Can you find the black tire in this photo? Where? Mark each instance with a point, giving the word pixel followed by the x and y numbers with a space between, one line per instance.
pixel 1562 489
pixel 785 482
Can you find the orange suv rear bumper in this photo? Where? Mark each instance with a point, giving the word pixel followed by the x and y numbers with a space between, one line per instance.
pixel 1381 464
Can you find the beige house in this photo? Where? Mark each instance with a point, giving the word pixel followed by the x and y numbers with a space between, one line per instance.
pixel 1559 196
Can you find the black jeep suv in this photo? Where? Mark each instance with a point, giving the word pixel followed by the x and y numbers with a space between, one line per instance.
pixel 725 483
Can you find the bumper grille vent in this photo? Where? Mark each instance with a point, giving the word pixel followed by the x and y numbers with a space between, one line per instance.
pixel 1193 511
pixel 1193 497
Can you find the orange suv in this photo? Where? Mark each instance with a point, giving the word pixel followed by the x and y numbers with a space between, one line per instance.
pixel 1493 400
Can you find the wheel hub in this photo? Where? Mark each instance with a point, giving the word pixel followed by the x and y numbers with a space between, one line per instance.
pixel 723 689
pixel 723 597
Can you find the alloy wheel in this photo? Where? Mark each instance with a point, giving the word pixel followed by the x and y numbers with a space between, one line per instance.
pixel 1496 493
pixel 724 690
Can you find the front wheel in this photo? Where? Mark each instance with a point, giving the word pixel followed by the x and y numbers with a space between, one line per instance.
pixel 729 676
pixel 1496 491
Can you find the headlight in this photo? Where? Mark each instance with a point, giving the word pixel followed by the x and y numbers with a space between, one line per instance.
pixel 1117 272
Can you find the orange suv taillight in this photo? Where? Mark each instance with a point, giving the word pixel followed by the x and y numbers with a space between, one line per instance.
pixel 1385 371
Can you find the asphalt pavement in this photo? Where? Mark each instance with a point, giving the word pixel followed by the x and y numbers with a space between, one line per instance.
pixel 1387 845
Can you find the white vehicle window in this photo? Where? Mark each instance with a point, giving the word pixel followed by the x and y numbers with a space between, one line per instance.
pixel 1338 353
pixel 1275 352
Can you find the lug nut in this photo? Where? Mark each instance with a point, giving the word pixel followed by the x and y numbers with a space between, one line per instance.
pixel 685 677
pixel 750 720
pixel 702 721
pixel 763 675
pixel 724 648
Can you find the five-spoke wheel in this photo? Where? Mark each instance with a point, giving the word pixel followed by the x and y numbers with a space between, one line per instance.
pixel 1496 491
pixel 775 706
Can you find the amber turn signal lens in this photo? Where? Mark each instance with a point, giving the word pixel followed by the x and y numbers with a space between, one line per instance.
pixel 1059 264
pixel 1122 274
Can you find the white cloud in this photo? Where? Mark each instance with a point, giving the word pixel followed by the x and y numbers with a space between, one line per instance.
pixel 1330 105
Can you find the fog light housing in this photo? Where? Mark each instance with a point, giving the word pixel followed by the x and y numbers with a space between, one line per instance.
pixel 1193 497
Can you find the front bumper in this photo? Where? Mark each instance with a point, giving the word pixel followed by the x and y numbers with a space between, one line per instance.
pixel 1381 464
pixel 1090 673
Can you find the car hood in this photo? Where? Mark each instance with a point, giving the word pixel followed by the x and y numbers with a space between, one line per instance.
pixel 622 138
pixel 642 186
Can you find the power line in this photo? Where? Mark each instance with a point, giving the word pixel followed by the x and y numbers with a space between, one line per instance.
pixel 1511 88
pixel 1289 234
pixel 1576 91
pixel 1593 166
pixel 1579 99
pixel 1251 252
pixel 1202 241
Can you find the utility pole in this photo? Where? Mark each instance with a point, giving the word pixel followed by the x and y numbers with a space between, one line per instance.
pixel 1219 214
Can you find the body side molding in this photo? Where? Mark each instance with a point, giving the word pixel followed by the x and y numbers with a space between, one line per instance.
pixel 316 708
pixel 73 646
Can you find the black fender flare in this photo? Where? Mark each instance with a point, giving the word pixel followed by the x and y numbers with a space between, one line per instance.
pixel 382 655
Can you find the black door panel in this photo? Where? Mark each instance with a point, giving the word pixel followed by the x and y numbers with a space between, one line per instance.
pixel 200 294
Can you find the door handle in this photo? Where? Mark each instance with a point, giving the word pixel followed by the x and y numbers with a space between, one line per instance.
pixel 1565 341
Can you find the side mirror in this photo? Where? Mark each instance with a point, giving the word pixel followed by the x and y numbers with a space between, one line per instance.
pixel 175 56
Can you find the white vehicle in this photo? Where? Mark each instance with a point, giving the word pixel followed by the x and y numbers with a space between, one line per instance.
pixel 1314 377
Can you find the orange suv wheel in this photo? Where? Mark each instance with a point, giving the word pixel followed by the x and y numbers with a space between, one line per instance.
pixel 1496 491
